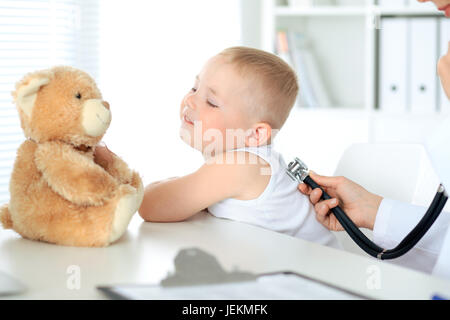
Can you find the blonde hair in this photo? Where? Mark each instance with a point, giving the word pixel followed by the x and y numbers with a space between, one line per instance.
pixel 276 83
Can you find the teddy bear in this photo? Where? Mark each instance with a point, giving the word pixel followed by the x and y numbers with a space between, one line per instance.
pixel 61 191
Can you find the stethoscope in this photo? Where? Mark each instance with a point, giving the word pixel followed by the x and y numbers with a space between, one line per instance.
pixel 298 171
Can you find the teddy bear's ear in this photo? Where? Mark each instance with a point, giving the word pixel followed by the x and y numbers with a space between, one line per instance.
pixel 26 93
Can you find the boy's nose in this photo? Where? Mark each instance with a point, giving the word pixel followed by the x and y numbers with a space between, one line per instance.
pixel 190 101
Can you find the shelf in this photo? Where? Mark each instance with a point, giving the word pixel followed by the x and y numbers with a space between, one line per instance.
pixel 343 11
pixel 332 111
pixel 345 43
pixel 410 12
pixel 320 11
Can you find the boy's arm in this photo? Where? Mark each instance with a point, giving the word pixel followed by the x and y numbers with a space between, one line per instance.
pixel 180 198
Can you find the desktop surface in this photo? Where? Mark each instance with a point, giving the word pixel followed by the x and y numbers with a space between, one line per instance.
pixel 145 254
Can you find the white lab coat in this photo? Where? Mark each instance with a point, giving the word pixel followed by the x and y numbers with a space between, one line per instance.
pixel 431 254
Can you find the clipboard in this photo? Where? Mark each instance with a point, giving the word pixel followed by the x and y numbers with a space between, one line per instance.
pixel 199 276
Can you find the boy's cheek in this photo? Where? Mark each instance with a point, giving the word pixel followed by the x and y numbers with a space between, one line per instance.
pixel 182 106
pixel 208 122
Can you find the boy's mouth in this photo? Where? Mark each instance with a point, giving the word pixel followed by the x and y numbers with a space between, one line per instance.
pixel 187 120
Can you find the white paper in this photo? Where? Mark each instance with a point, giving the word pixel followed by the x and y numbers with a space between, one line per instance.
pixel 271 287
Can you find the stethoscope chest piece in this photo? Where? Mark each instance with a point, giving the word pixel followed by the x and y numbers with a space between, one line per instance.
pixel 297 170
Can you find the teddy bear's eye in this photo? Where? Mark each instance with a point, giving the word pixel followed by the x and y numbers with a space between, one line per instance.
pixel 78 95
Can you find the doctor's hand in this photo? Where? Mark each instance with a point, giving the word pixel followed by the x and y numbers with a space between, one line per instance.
pixel 360 205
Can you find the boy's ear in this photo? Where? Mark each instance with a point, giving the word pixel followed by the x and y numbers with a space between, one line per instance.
pixel 25 95
pixel 259 135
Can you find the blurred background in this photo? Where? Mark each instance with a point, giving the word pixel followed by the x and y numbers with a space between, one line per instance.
pixel 367 69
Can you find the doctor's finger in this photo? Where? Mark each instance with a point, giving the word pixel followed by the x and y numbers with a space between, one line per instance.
pixel 304 188
pixel 323 208
pixel 315 195
pixel 324 219
pixel 330 182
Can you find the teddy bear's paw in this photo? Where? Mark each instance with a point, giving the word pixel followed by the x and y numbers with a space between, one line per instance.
pixel 124 176
pixel 136 182
pixel 126 207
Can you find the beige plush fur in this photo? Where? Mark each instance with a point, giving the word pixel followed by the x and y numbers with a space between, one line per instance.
pixel 60 192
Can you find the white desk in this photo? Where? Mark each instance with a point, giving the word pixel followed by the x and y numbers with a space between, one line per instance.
pixel 145 254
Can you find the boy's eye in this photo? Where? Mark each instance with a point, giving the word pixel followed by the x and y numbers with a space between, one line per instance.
pixel 212 105
pixel 193 90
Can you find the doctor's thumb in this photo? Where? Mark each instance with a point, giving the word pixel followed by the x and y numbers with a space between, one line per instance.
pixel 325 181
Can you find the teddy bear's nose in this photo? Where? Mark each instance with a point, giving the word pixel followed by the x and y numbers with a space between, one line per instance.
pixel 105 104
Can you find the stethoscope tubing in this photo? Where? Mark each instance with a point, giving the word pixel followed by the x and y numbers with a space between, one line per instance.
pixel 371 248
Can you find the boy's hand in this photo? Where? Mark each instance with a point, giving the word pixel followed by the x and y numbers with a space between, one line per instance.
pixel 103 156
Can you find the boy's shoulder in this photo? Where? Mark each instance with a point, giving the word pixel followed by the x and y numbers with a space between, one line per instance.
pixel 238 160
pixel 248 172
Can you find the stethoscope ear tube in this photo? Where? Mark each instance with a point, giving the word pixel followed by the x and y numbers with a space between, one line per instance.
pixel 422 227
pixel 405 245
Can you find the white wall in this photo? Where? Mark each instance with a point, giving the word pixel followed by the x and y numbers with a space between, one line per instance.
pixel 152 50
pixel 150 53
pixel 251 14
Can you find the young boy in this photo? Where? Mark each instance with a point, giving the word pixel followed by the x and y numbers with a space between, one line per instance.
pixel 240 99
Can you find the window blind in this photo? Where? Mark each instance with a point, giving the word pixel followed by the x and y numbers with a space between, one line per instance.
pixel 39 34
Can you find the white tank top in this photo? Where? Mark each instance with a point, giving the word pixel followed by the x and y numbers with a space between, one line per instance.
pixel 280 207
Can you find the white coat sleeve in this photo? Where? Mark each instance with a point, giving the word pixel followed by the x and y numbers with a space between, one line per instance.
pixel 396 219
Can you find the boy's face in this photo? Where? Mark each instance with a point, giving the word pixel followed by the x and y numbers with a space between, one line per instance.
pixel 214 108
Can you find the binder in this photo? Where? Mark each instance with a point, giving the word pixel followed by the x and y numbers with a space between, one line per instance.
pixel 423 59
pixel 306 97
pixel 318 87
pixel 313 92
pixel 393 65
pixel 444 102
pixel 283 47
